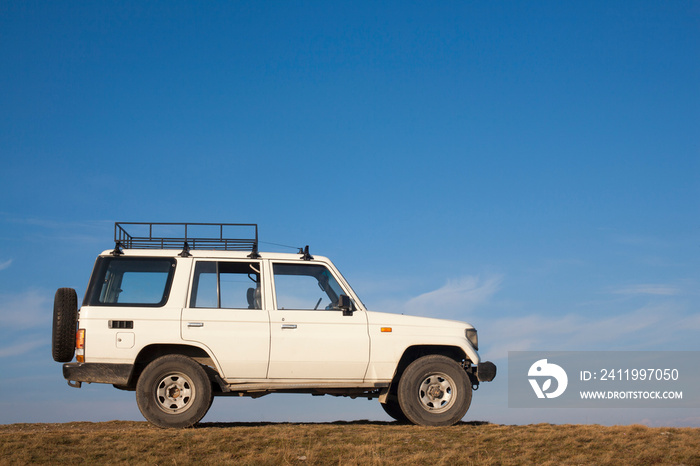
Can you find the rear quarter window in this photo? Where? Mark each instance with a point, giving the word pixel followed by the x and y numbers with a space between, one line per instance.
pixel 130 281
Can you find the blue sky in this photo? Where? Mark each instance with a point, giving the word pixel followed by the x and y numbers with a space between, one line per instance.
pixel 533 168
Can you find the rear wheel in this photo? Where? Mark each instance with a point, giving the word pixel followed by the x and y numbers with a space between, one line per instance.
pixel 65 319
pixel 174 391
pixel 434 391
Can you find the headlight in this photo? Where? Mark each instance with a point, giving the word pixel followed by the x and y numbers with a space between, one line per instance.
pixel 470 333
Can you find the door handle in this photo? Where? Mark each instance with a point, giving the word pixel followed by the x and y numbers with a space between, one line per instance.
pixel 195 324
pixel 289 326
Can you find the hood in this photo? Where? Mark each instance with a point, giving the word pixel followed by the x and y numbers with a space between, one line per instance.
pixel 385 318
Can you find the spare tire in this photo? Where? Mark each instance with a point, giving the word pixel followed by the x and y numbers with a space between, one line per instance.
pixel 65 319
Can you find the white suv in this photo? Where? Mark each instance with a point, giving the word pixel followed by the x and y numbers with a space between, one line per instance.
pixel 181 318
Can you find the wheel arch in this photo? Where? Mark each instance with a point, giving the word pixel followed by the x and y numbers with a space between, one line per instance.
pixel 152 352
pixel 417 351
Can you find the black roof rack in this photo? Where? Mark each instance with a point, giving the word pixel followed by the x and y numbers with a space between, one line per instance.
pixel 212 236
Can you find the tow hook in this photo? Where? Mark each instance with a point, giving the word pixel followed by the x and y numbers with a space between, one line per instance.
pixel 471 372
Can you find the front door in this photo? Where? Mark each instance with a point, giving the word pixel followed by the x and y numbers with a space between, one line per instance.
pixel 310 336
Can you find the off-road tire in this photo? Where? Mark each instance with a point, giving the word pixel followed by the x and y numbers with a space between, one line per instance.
pixel 65 319
pixel 174 391
pixel 434 391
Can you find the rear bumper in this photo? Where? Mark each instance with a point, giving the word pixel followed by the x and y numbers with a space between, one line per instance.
pixel 77 372
pixel 485 371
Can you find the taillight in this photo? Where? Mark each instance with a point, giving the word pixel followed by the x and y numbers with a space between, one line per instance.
pixel 80 345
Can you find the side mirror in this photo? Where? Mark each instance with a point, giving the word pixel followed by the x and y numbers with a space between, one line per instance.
pixel 345 305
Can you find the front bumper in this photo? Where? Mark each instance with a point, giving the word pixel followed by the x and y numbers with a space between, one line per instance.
pixel 485 371
pixel 77 372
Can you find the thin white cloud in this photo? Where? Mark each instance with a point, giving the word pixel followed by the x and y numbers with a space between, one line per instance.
pixel 51 224
pixel 25 310
pixel 22 348
pixel 456 298
pixel 6 264
pixel 658 327
pixel 689 322
pixel 38 229
pixel 649 289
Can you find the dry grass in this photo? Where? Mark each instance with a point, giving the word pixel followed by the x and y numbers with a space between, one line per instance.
pixel 346 443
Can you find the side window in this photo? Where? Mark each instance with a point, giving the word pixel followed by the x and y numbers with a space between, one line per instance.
pixel 226 285
pixel 130 281
pixel 204 285
pixel 305 286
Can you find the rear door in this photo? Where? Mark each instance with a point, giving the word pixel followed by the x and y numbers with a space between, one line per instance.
pixel 225 313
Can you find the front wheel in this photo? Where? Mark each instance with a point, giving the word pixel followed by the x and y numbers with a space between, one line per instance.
pixel 173 391
pixel 393 409
pixel 434 391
